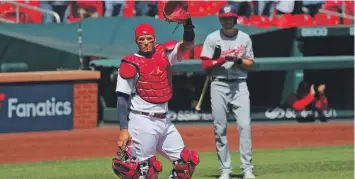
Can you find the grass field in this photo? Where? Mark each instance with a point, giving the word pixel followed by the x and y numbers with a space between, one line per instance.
pixel 299 163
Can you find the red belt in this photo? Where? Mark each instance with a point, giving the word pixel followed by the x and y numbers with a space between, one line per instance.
pixel 157 115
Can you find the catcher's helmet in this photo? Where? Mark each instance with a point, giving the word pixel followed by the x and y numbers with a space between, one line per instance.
pixel 144 29
pixel 228 11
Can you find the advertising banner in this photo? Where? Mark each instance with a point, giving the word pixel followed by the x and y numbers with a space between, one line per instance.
pixel 36 107
pixel 272 114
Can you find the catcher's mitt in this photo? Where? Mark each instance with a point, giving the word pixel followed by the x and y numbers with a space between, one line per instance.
pixel 125 165
pixel 176 11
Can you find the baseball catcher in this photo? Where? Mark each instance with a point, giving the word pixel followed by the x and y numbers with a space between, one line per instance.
pixel 144 87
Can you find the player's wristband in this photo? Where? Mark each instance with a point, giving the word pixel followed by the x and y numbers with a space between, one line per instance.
pixel 189 24
pixel 234 59
pixel 189 33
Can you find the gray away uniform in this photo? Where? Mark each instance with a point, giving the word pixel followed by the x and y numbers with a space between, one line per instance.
pixel 229 87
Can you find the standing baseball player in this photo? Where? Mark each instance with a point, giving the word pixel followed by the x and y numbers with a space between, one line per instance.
pixel 144 88
pixel 229 90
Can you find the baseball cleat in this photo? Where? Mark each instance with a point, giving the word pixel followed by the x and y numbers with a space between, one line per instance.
pixel 248 175
pixel 224 176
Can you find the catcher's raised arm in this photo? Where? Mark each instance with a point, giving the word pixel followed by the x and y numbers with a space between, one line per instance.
pixel 177 11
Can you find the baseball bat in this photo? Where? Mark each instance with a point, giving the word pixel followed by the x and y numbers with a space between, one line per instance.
pixel 216 55
pixel 204 89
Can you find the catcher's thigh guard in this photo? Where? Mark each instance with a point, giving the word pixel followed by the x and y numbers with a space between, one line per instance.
pixel 185 167
pixel 150 168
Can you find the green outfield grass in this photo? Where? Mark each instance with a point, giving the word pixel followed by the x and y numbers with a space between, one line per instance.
pixel 300 163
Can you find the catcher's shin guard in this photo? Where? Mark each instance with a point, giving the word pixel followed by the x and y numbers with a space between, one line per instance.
pixel 150 169
pixel 185 167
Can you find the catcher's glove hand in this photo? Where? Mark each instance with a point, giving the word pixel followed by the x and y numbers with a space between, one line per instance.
pixel 176 11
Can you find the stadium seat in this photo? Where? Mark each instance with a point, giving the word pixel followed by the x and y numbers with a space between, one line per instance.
pixel 336 6
pixel 331 5
pixel 206 6
pixel 349 7
pixel 11 15
pixel 242 20
pixel 259 21
pixel 5 7
pixel 303 20
pixel 129 9
pixel 348 21
pixel 187 55
pixel 32 16
pixel 326 19
pixel 169 45
pixel 215 6
pixel 160 10
pixel 284 21
pixel 197 51
pixel 35 16
pixel 196 9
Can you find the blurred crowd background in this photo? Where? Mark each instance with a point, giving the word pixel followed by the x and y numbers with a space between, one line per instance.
pixel 261 14
pixel 254 13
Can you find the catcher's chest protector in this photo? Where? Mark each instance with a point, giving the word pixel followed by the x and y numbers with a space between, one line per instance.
pixel 154 84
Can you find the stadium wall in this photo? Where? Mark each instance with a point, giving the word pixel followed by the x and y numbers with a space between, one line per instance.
pixel 44 101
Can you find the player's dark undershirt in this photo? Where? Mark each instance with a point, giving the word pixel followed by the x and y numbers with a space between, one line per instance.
pixel 122 109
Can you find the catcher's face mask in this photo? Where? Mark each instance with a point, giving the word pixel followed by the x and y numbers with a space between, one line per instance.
pixel 146 43
pixel 227 22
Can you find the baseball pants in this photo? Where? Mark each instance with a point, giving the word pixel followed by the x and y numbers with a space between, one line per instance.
pixel 151 135
pixel 235 94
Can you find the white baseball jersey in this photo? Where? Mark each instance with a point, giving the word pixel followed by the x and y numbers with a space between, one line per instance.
pixel 128 86
pixel 239 46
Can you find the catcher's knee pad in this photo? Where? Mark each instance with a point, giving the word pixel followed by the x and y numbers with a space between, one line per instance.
pixel 185 167
pixel 150 168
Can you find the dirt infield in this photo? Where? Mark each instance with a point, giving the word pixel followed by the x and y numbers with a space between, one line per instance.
pixel 63 145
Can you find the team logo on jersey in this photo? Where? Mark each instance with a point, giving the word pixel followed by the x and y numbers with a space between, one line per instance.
pixel 237 52
pixel 227 9
pixel 159 71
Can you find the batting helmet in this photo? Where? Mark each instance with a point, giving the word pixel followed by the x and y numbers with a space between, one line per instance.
pixel 144 29
pixel 228 11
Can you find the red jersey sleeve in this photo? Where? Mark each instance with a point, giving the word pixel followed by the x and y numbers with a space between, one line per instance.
pixel 302 103
pixel 208 63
